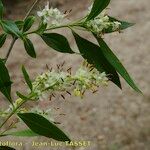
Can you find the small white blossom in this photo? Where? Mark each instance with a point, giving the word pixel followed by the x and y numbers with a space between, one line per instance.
pixel 57 82
pixel 101 23
pixel 116 25
pixel 51 16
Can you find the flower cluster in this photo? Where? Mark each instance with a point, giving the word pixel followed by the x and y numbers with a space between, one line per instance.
pixel 51 15
pixel 51 82
pixel 101 23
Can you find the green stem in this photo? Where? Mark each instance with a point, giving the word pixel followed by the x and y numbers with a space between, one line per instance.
pixel 12 113
pixel 57 27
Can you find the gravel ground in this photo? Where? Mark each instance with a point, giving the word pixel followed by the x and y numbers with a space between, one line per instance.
pixel 111 119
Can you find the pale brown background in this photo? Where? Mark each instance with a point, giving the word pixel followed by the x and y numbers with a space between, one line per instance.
pixel 111 119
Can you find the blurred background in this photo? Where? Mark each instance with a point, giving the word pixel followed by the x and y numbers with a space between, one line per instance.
pixel 111 119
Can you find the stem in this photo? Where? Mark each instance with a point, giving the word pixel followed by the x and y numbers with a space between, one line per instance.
pixel 15 109
pixel 10 49
pixel 13 112
pixel 57 27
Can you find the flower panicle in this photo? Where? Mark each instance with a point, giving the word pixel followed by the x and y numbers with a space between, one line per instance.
pixel 51 16
pixel 52 83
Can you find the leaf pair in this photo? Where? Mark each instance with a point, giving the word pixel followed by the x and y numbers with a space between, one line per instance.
pixel 56 41
pixel 104 60
pixel 11 28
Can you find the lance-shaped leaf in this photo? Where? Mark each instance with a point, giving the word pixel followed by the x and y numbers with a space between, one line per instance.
pixel 5 83
pixel 57 42
pixel 2 39
pixel 124 25
pixel 43 127
pixel 27 78
pixel 6 148
pixel 28 23
pixel 11 28
pixel 1 9
pixel 41 29
pixel 23 133
pixel 98 7
pixel 29 47
pixel 115 62
pixel 19 24
pixel 25 98
pixel 93 54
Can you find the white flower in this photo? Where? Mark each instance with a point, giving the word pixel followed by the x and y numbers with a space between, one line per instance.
pixel 101 23
pixel 52 82
pixel 51 16
pixel 116 25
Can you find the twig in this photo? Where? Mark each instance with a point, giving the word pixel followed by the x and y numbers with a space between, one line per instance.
pixel 7 56
pixel 14 39
pixel 10 48
pixel 12 113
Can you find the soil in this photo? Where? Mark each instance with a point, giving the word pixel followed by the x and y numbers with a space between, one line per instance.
pixel 111 119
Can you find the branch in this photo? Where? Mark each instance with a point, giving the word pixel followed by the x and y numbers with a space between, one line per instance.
pixel 10 48
pixel 14 39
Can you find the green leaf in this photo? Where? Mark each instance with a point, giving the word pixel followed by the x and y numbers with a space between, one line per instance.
pixel 19 24
pixel 6 148
pixel 57 42
pixel 41 29
pixel 5 83
pixel 93 54
pixel 22 96
pixel 1 9
pixel 11 28
pixel 115 62
pixel 27 78
pixel 98 7
pixel 43 127
pixel 2 39
pixel 124 25
pixel 29 47
pixel 23 133
pixel 28 23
